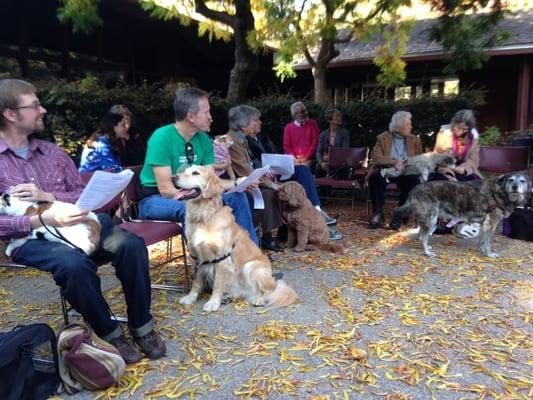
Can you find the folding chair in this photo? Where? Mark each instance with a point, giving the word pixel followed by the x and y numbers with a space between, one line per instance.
pixel 503 159
pixel 153 231
pixel 352 157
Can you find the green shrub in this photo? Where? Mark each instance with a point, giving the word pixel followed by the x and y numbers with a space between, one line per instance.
pixel 75 108
pixel 490 136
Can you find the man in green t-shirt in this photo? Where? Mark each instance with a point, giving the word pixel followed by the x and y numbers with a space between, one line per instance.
pixel 183 143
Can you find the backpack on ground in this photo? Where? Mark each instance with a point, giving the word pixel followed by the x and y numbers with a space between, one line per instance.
pixel 28 363
pixel 85 360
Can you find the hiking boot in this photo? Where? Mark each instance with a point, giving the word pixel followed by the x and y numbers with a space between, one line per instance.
pixel 376 221
pixel 152 345
pixel 127 349
pixel 334 234
pixel 329 220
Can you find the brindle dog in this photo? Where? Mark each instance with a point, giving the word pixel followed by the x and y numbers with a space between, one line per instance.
pixel 485 202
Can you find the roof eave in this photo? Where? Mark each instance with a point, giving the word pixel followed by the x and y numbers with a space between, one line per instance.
pixel 426 56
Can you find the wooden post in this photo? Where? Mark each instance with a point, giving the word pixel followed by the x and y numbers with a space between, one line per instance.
pixel 524 87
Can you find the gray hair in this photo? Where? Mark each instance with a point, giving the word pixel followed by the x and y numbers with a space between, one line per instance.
pixel 241 116
pixel 397 119
pixel 296 105
pixel 10 91
pixel 186 101
pixel 464 116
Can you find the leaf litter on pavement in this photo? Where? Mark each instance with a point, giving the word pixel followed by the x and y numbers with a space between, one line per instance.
pixel 379 320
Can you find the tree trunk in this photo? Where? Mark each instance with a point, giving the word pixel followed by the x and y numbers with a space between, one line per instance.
pixel 246 61
pixel 320 89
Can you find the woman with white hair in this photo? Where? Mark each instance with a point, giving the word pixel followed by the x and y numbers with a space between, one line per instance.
pixel 245 123
pixel 392 149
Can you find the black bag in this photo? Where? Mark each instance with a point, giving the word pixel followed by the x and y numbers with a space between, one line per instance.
pixel 521 221
pixel 341 173
pixel 28 363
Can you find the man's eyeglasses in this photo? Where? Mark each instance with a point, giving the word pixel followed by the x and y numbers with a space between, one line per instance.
pixel 189 152
pixel 301 112
pixel 35 106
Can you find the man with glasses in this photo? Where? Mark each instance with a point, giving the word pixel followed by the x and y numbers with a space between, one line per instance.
pixel 36 170
pixel 173 147
pixel 300 137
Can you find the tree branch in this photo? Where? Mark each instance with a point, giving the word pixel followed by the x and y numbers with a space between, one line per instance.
pixel 219 16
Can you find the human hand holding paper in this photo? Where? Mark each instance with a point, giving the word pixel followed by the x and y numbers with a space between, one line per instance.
pixel 102 188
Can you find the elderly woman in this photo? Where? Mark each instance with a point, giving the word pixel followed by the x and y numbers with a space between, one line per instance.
pixel 243 122
pixel 392 149
pixel 334 136
pixel 462 140
pixel 257 144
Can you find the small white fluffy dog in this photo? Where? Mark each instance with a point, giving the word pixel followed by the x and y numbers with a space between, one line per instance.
pixel 422 164
pixel 84 235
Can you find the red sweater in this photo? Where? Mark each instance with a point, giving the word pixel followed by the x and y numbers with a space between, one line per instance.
pixel 301 141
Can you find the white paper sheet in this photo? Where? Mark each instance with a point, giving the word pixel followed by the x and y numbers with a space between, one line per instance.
pixel 280 164
pixel 250 179
pixel 102 188
pixel 259 203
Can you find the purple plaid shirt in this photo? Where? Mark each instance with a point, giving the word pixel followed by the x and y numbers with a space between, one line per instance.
pixel 48 167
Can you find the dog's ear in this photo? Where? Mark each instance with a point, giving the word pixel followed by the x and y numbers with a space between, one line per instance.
pixel 296 194
pixel 213 186
pixel 500 181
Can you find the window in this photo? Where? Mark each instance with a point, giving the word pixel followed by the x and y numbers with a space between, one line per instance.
pixel 444 86
pixel 402 93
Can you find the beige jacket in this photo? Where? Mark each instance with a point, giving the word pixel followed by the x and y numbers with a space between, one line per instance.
pixel 381 153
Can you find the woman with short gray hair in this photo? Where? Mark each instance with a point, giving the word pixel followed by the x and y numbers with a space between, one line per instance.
pixel 244 122
pixel 392 149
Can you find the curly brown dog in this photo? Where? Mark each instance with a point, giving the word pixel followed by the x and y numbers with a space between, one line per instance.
pixel 306 228
pixel 225 256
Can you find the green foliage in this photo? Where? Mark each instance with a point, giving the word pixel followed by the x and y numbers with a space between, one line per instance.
pixel 388 57
pixel 466 36
pixel 75 109
pixel 490 136
pixel 83 14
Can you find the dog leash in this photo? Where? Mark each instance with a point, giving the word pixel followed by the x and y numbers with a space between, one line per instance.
pixel 58 234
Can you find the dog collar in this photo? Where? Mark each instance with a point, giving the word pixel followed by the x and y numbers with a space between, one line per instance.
pixel 216 260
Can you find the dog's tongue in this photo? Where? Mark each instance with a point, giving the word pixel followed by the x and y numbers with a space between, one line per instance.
pixel 182 193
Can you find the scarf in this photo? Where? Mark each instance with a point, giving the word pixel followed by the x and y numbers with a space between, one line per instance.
pixel 462 148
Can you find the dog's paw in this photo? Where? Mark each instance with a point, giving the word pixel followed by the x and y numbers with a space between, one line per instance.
pixel 259 301
pixel 212 305
pixel 189 299
pixel 492 254
pixel 299 248
pixel 430 253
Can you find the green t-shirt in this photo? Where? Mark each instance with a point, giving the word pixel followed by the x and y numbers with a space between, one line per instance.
pixel 166 148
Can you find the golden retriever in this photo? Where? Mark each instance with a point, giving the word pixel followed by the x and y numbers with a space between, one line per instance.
pixel 306 228
pixel 225 256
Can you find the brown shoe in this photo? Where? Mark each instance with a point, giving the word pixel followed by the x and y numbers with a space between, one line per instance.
pixel 152 345
pixel 127 349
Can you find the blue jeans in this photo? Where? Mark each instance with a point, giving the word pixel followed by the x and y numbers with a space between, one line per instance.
pixel 157 207
pixel 75 274
pixel 303 176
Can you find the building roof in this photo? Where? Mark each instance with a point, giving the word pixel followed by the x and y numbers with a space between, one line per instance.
pixel 421 47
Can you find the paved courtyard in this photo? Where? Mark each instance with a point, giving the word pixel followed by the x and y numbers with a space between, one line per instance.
pixel 376 321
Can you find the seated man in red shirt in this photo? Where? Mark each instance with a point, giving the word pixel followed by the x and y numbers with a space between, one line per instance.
pixel 300 137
